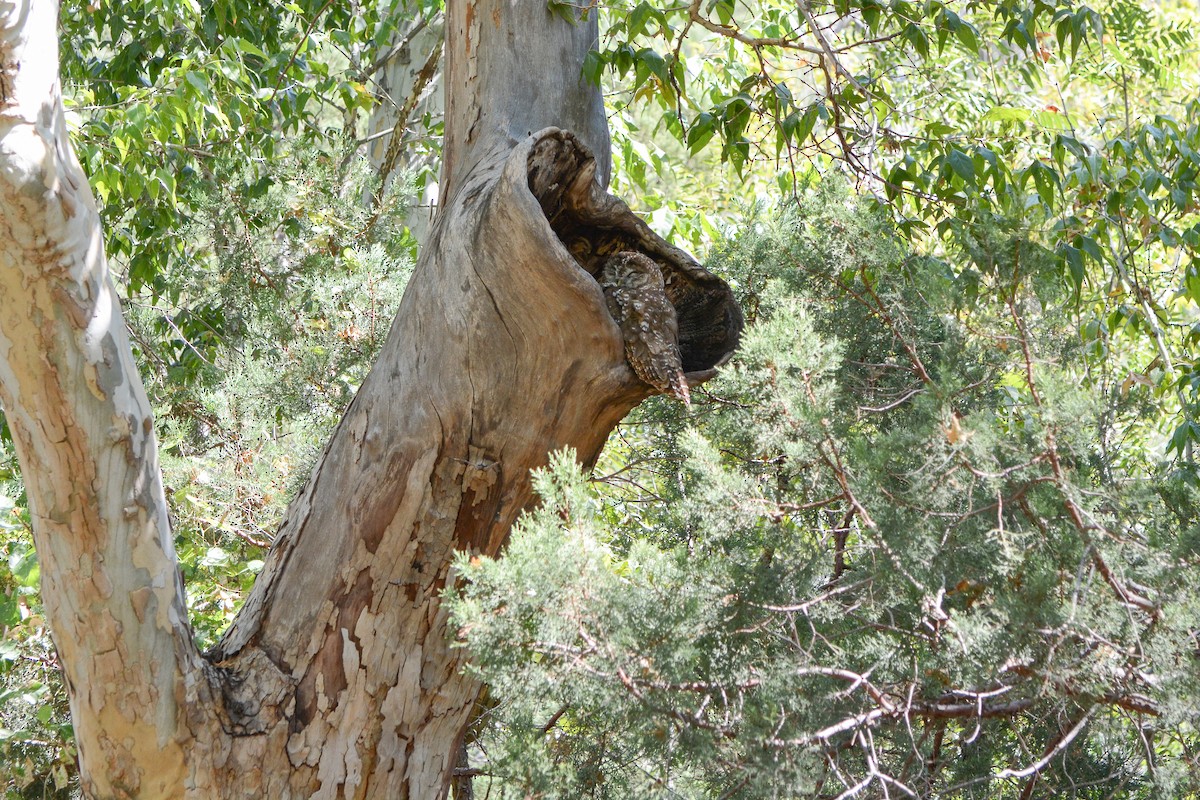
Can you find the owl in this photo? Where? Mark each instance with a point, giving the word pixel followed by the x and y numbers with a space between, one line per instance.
pixel 637 299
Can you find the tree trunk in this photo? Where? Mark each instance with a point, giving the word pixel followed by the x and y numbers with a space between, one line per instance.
pixel 338 678
pixel 85 440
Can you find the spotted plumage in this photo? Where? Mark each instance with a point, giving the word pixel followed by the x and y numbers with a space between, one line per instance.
pixel 637 299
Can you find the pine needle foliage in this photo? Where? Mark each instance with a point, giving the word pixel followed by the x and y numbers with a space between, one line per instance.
pixel 907 544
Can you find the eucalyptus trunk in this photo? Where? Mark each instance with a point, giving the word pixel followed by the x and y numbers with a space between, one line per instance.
pixel 338 677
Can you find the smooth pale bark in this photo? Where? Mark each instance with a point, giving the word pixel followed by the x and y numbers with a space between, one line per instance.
pixel 338 678
pixel 512 69
pixel 85 440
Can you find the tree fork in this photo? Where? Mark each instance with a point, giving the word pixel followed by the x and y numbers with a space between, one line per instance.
pixel 337 678
pixel 434 456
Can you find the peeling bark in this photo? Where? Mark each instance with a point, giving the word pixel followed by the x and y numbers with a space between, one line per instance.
pixel 337 678
pixel 85 440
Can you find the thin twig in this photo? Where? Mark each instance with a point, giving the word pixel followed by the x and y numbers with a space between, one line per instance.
pixel 312 24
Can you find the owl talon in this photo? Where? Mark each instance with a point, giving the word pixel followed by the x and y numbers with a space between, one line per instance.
pixel 679 390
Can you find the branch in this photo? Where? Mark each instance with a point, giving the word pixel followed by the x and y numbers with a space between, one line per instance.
pixel 1126 595
pixel 1054 749
pixel 395 49
pixel 752 41
pixel 410 103
pixel 826 51
pixel 85 440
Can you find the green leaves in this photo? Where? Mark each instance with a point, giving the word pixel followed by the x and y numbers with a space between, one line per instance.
pixel 962 165
pixel 702 129
pixel 1053 118
pixel 164 93
pixel 1003 114
pixel 1046 181
pixel 798 125
pixel 1184 438
pixel 23 567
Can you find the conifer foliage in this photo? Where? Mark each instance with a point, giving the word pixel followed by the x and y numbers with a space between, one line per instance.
pixel 903 547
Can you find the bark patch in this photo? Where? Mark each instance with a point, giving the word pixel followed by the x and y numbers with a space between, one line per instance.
pixel 483 485
pixel 254 692
pixel 318 691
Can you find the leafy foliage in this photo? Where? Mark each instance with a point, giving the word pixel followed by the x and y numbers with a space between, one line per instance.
pixel 1073 121
pixel 278 321
pixel 165 90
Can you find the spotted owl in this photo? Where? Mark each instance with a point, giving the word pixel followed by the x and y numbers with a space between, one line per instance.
pixel 637 300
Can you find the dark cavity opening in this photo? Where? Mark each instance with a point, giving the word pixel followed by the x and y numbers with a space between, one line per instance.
pixel 594 225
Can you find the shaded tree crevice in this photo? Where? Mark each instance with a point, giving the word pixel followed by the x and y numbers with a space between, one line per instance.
pixel 255 694
pixel 594 225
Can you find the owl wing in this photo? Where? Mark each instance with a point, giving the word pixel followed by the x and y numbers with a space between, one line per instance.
pixel 638 302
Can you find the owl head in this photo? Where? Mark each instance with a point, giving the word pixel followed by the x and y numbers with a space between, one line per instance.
pixel 633 271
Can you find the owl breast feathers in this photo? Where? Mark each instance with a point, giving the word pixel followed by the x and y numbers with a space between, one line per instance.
pixel 637 299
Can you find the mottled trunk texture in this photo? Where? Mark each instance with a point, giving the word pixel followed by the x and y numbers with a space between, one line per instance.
pixel 85 440
pixel 337 678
